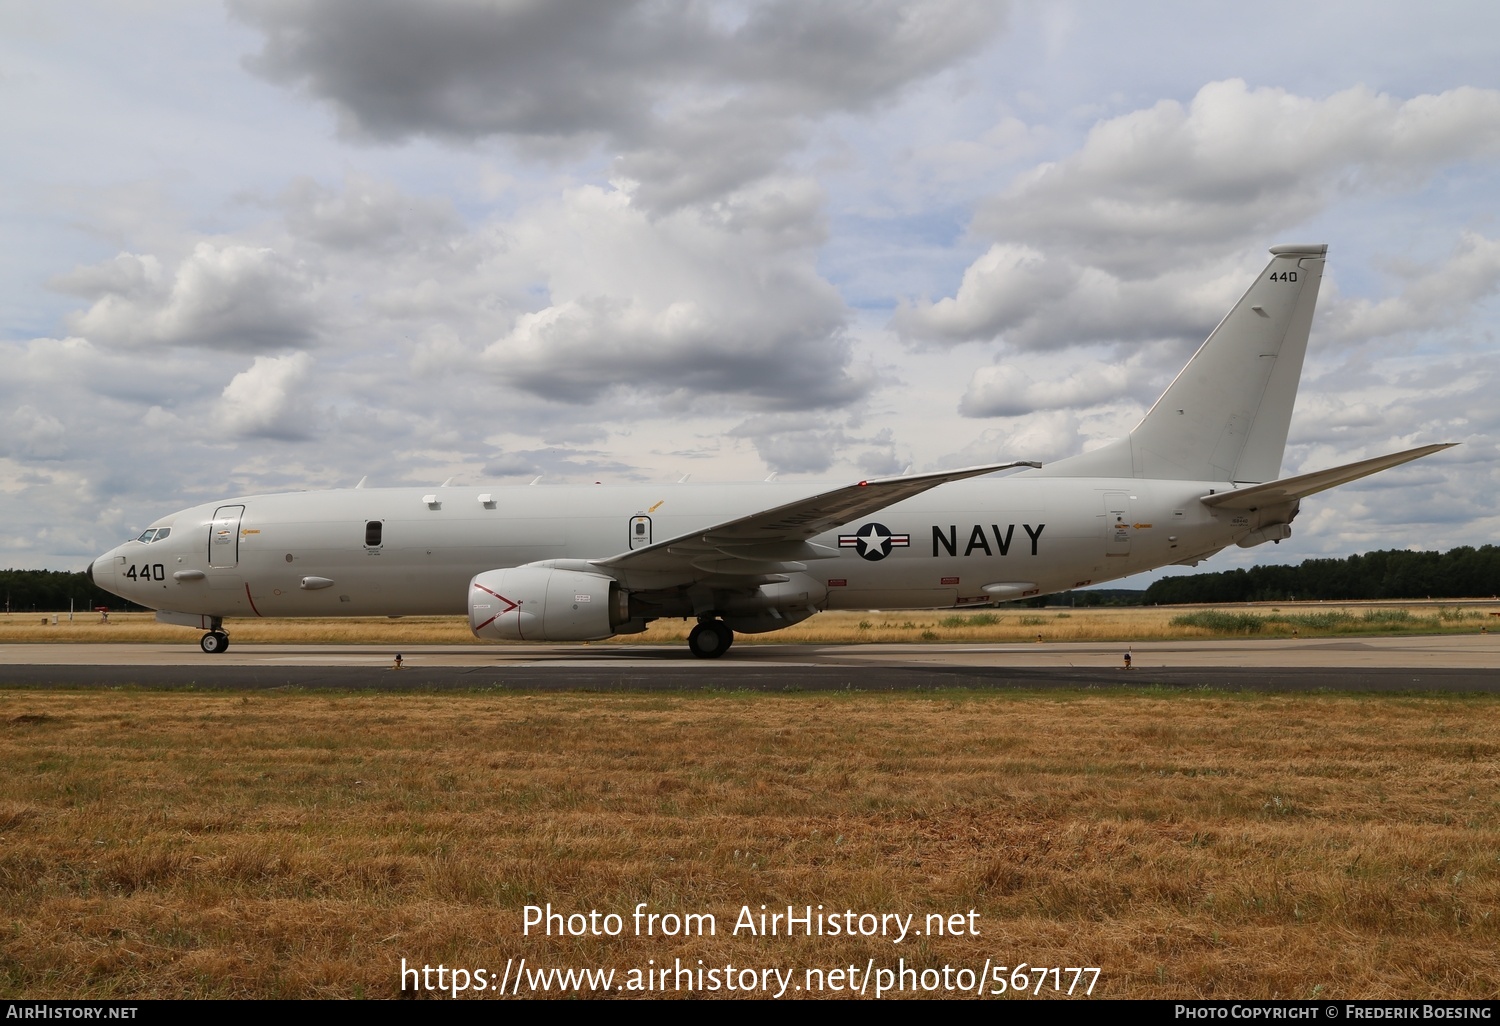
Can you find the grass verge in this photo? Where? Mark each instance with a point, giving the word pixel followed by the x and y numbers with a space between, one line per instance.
pixel 1189 845
pixel 840 627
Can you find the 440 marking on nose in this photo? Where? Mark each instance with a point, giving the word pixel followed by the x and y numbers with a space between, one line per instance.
pixel 146 572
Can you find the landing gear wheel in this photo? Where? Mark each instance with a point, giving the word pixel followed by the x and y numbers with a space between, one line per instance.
pixel 214 642
pixel 710 639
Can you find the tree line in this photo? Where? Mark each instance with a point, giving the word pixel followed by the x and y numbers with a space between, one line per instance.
pixel 49 591
pixel 1464 572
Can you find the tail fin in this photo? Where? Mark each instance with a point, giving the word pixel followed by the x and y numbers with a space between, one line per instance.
pixel 1226 415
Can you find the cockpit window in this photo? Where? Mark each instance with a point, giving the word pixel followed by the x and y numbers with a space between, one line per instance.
pixel 162 532
pixel 147 535
pixel 152 534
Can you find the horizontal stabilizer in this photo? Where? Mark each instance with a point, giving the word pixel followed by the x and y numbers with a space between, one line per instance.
pixel 1274 493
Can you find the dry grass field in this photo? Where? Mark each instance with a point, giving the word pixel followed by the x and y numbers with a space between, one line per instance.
pixel 1188 844
pixel 989 625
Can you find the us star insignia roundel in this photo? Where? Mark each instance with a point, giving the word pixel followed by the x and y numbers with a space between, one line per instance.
pixel 874 541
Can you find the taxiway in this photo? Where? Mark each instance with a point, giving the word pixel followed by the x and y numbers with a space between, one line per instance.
pixel 1469 662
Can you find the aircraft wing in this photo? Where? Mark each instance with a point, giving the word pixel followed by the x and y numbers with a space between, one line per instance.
pixel 1274 493
pixel 774 541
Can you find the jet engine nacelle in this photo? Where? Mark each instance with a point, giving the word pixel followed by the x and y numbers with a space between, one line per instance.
pixel 1274 533
pixel 534 603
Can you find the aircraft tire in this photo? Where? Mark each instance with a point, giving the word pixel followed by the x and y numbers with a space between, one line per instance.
pixel 710 639
pixel 725 635
pixel 214 642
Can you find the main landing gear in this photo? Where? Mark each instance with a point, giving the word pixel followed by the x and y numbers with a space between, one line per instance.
pixel 710 639
pixel 214 642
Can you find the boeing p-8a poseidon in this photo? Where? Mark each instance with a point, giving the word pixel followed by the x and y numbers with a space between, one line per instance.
pixel 563 563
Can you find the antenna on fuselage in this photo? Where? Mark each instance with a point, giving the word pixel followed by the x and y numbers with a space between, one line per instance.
pixel 362 481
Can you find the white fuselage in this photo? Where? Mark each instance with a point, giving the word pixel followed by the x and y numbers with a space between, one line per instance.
pixel 402 551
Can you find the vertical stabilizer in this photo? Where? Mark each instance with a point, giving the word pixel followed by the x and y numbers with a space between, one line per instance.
pixel 1225 417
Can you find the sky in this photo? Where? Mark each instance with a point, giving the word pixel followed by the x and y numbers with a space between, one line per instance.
pixel 272 245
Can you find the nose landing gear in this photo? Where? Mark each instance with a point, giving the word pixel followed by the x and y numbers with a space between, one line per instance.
pixel 710 639
pixel 214 642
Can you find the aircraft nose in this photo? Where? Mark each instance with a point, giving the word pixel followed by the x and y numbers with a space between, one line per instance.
pixel 102 572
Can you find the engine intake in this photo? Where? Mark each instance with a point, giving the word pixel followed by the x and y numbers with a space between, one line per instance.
pixel 533 603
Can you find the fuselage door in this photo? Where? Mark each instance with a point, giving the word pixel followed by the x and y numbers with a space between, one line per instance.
pixel 1116 524
pixel 224 538
pixel 640 532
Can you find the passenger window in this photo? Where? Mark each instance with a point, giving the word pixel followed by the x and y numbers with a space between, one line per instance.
pixel 372 534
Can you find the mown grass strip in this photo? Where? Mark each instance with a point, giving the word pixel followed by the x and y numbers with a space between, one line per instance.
pixel 293 844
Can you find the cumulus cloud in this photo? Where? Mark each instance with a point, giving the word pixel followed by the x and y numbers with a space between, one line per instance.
pixel 366 214
pixel 465 70
pixel 1144 231
pixel 577 350
pixel 223 296
pixel 1396 400
pixel 674 306
pixel 1005 391
pixel 793 443
pixel 779 212
pixel 30 433
pixel 511 464
pixel 1046 436
pixel 697 99
pixel 1430 297
pixel 269 399
pixel 883 457
pixel 127 275
pixel 1233 166
pixel 1001 289
pixel 78 375
pixel 805 442
pixel 1035 301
